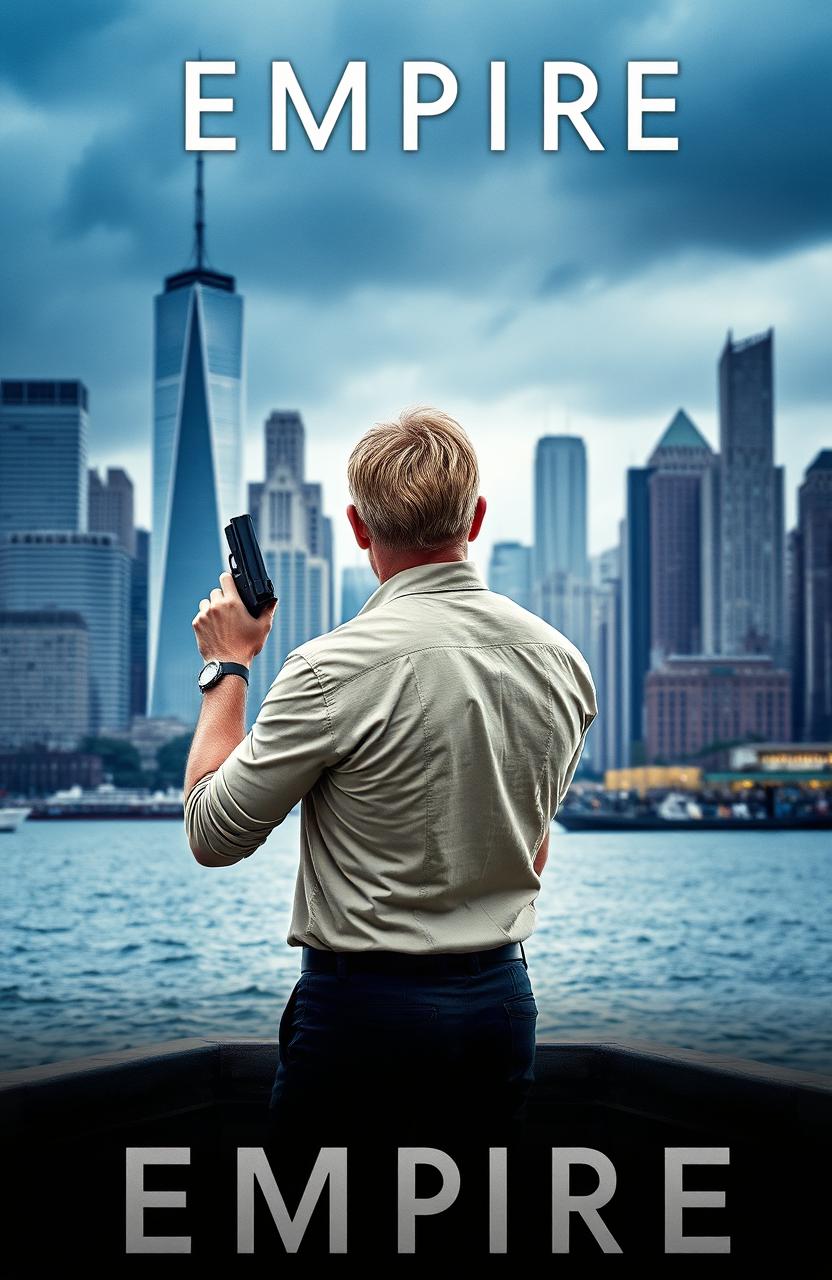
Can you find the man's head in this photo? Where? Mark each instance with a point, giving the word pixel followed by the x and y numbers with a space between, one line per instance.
pixel 415 490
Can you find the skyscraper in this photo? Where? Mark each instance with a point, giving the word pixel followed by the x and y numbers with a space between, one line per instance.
pixel 88 573
pixel 329 556
pixel 510 571
pixel 111 507
pixel 561 591
pixel 358 582
pixel 750 504
pixel 606 655
pixel 197 463
pixel 678 464
pixel 44 656
pixel 138 624
pixel 292 530
pixel 812 654
pixel 636 611
pixel 285 442
pixel 43 455
pixel 797 630
pixel 560 497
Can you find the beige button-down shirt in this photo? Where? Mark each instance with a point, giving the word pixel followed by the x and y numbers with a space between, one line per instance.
pixel 431 740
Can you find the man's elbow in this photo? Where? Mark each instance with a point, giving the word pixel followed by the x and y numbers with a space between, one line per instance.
pixel 202 853
pixel 206 858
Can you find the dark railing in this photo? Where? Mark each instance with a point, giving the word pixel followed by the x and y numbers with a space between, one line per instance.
pixel 615 1090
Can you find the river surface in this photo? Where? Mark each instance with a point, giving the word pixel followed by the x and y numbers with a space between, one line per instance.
pixel 113 937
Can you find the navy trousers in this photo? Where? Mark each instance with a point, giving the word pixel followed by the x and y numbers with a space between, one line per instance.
pixel 403 1059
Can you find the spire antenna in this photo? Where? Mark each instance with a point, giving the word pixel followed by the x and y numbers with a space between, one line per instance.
pixel 199 218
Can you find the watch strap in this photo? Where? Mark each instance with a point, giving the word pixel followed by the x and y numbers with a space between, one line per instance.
pixel 233 669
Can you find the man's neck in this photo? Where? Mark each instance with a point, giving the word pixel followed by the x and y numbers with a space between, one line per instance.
pixel 388 563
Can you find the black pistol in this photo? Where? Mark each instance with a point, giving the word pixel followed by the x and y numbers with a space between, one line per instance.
pixel 247 567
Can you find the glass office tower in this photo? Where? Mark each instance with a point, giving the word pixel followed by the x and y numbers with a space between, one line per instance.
pixel 751 608
pixel 87 573
pixel 44 427
pixel 197 465
pixel 560 508
pixel 510 572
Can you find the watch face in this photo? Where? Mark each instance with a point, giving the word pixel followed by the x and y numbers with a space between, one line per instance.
pixel 208 674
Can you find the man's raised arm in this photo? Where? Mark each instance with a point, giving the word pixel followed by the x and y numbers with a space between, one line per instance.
pixel 239 786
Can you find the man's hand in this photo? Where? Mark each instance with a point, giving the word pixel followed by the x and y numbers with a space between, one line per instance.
pixel 225 630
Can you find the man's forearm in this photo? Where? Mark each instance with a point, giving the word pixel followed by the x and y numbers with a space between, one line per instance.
pixel 220 728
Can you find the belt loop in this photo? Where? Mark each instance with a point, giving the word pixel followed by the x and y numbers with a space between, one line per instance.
pixel 341 965
pixel 523 954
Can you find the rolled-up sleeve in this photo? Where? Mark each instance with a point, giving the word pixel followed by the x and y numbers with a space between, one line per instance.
pixel 231 811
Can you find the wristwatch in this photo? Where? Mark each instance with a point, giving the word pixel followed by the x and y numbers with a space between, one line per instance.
pixel 214 671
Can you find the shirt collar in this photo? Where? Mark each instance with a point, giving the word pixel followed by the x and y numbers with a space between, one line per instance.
pixel 424 579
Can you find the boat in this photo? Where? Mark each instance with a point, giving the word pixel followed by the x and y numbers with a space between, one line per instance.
pixel 10 819
pixel 577 819
pixel 107 801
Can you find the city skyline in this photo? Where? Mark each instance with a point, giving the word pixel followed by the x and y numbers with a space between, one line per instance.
pixel 481 549
pixel 637 611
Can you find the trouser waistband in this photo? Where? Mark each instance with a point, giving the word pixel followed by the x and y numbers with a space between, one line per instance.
pixel 316 960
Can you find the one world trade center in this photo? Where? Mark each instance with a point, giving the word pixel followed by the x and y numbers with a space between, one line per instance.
pixel 197 463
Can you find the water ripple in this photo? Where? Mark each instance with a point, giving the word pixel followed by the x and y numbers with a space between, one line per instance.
pixel 714 942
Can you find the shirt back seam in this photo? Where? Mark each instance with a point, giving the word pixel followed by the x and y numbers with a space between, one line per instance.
pixel 327 709
pixel 423 887
pixel 429 648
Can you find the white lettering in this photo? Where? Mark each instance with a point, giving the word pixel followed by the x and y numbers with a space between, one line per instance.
pixel 637 105
pixel 676 1199
pixel 196 106
pixel 138 1199
pixel 412 106
pixel 553 108
pixel 353 84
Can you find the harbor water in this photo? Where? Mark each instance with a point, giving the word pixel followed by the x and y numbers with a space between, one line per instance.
pixel 114 937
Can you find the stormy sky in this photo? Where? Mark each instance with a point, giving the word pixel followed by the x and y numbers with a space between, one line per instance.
pixel 525 292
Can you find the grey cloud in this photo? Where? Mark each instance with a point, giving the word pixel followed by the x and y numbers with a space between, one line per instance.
pixel 484 273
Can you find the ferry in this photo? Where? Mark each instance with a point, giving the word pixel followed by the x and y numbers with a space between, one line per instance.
pixel 107 801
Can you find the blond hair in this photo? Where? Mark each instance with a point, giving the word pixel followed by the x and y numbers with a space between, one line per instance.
pixel 415 481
